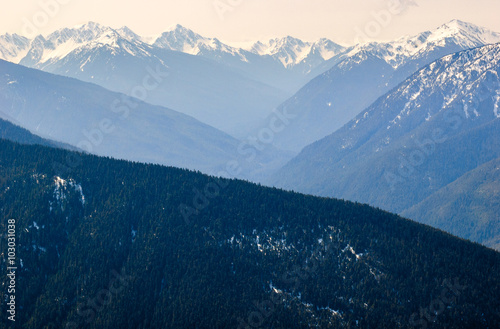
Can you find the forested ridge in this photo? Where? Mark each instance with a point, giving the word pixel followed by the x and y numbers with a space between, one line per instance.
pixel 114 244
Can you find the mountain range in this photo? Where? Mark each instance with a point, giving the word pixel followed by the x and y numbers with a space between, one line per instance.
pixel 415 145
pixel 227 88
pixel 361 74
pixel 109 234
pixel 233 89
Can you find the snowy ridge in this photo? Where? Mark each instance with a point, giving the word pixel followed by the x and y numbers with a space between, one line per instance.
pixel 467 82
pixel 13 47
pixel 362 74
pixel 455 76
pixel 288 51
pixel 291 51
pixel 61 43
pixel 455 33
pixel 184 40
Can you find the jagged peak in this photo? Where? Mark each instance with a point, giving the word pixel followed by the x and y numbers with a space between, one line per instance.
pixel 82 33
pixel 288 40
pixel 90 25
pixel 458 24
pixel 177 33
pixel 461 29
pixel 12 36
pixel 128 34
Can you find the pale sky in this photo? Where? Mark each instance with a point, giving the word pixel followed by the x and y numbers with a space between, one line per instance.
pixel 235 21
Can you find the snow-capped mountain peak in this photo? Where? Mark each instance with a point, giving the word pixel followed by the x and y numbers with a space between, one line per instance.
pixel 13 47
pixel 291 51
pixel 79 34
pixel 129 35
pixel 178 38
pixel 187 41
pixel 471 34
pixel 181 39
pixel 91 35
pixel 43 52
pixel 326 48
pixel 276 46
pixel 455 35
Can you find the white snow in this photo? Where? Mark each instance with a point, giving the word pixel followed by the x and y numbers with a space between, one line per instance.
pixel 291 51
pixel 495 106
pixel 42 249
pixel 13 48
pixel 60 51
pixel 400 51
pixel 60 190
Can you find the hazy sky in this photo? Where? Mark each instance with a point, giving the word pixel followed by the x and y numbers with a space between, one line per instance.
pixel 246 20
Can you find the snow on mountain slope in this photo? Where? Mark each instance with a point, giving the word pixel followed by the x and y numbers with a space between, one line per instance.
pixel 130 35
pixel 436 126
pixel 455 33
pixel 56 46
pixel 461 81
pixel 184 40
pixel 216 92
pixel 13 47
pixel 281 56
pixel 291 51
pixel 252 81
pixel 286 63
pixel 456 76
pixel 288 50
pixel 361 74
pixel 233 89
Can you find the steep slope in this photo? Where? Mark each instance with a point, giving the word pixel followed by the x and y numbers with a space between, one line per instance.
pixel 333 98
pixel 13 47
pixel 111 244
pixel 469 207
pixel 112 124
pixel 322 105
pixel 296 54
pixel 10 131
pixel 435 127
pixel 119 60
